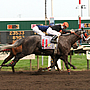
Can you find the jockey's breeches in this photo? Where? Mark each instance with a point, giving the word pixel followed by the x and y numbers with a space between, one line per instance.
pixel 36 29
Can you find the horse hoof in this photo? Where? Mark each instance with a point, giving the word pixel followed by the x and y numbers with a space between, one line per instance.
pixel 40 69
pixel 74 67
pixel 13 64
pixel 59 71
pixel 9 65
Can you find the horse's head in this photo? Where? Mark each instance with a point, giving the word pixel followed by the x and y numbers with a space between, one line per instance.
pixel 84 36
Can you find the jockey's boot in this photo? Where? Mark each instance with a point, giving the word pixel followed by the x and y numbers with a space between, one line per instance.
pixel 54 39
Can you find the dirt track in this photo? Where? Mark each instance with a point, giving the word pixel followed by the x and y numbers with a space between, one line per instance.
pixel 48 80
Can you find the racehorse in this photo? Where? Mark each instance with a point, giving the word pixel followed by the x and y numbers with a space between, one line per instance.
pixel 32 45
pixel 15 50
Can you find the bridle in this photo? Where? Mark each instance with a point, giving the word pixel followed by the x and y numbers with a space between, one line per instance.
pixel 74 34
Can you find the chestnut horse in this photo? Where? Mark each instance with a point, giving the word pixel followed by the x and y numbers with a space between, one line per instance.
pixel 13 52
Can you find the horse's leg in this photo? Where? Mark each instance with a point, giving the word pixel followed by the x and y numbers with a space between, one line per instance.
pixel 52 65
pixel 47 67
pixel 65 59
pixel 56 59
pixel 57 67
pixel 72 65
pixel 13 69
pixel 16 59
pixel 6 60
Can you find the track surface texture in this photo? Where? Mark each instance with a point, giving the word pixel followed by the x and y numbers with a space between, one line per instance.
pixel 48 80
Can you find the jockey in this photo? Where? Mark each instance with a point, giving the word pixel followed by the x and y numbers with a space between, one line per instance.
pixel 60 29
pixel 84 35
pixel 55 30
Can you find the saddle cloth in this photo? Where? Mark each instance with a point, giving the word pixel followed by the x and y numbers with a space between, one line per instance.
pixel 46 44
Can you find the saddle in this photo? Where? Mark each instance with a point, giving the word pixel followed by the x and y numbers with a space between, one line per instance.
pixel 46 43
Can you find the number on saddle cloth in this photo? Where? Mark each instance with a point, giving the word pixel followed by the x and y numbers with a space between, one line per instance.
pixel 46 43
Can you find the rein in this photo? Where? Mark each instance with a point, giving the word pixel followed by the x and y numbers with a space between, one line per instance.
pixel 77 35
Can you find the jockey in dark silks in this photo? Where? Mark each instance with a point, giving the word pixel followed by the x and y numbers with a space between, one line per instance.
pixel 52 30
pixel 84 36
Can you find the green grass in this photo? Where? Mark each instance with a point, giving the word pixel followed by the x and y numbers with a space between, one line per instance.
pixel 79 61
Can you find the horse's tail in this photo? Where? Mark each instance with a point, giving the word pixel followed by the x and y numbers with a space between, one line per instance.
pixel 16 44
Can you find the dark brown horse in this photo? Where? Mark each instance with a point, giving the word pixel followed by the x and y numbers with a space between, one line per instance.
pixel 15 50
pixel 32 45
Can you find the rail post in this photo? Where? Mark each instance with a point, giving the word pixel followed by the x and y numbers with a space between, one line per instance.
pixel 37 62
pixel 87 64
pixel 30 65
pixel 79 14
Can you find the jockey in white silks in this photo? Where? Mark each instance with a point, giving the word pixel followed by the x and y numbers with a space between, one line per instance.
pixel 55 30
